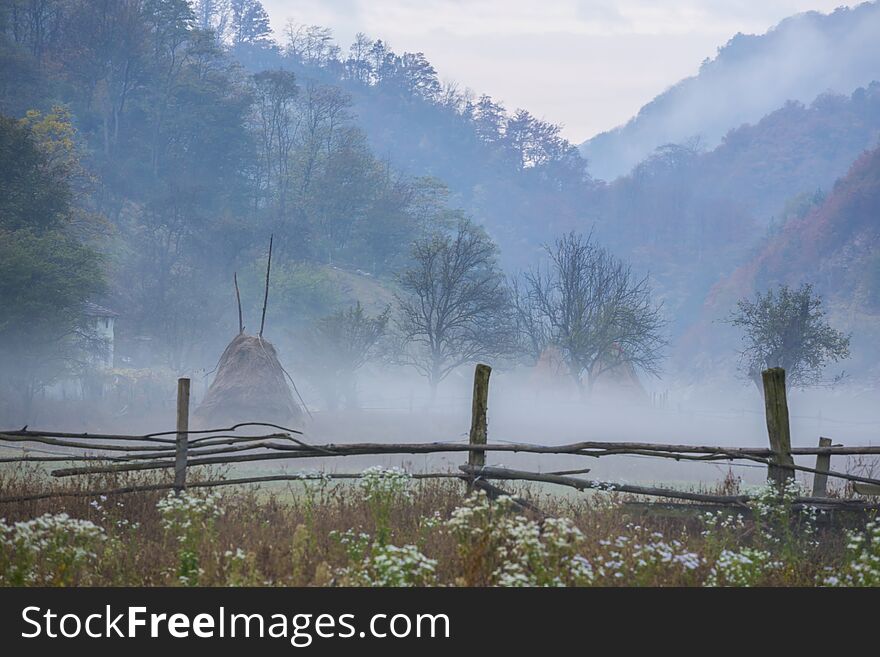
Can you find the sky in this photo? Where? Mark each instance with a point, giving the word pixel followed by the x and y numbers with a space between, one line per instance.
pixel 587 64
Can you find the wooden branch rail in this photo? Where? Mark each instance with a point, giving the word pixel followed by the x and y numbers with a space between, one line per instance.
pixel 290 452
pixel 488 472
pixel 157 436
pixel 697 453
pixel 479 477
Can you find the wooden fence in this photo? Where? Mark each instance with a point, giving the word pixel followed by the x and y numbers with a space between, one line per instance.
pixel 184 448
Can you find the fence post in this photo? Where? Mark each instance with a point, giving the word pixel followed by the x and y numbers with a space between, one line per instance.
pixel 778 429
pixel 823 465
pixel 479 424
pixel 182 435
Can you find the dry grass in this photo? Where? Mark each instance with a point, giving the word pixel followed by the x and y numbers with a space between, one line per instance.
pixel 290 535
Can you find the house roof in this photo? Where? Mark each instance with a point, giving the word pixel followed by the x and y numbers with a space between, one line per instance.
pixel 95 310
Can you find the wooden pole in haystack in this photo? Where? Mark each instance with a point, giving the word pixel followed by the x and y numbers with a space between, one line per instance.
pixel 266 293
pixel 238 301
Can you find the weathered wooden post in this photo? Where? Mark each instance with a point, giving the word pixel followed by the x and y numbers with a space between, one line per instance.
pixel 823 465
pixel 182 435
pixel 778 429
pixel 479 424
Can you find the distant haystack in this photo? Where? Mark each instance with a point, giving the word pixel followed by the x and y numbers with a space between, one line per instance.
pixel 550 375
pixel 250 386
pixel 618 377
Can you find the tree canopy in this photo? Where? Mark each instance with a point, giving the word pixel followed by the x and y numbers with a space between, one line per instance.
pixel 788 328
pixel 591 306
pixel 453 305
pixel 46 273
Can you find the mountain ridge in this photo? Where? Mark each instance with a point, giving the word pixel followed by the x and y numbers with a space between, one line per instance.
pixel 800 58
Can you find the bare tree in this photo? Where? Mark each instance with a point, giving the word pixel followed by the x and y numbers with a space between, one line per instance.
pixel 357 64
pixel 533 332
pixel 339 345
pixel 454 306
pixel 593 308
pixel 787 328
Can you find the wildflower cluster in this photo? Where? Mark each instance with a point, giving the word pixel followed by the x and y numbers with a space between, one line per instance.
pixel 862 566
pixel 379 483
pixel 390 565
pixel 355 544
pixel 498 547
pixel 382 488
pixel 48 550
pixel 189 519
pixel 720 524
pixel 644 558
pixel 744 567
pixel 786 531
pixel 187 513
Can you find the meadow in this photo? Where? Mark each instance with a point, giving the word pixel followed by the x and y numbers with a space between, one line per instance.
pixel 387 529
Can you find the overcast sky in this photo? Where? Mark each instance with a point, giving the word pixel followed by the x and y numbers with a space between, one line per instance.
pixel 588 64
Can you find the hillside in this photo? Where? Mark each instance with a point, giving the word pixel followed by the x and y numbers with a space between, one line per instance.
pixel 835 246
pixel 511 171
pixel 183 179
pixel 799 59
pixel 693 217
pixel 796 149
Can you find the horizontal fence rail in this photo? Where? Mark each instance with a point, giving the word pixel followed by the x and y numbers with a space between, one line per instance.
pixel 183 448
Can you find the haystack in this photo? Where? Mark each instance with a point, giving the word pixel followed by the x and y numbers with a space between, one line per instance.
pixel 250 386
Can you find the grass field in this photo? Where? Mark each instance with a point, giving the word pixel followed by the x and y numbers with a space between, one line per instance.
pixel 389 530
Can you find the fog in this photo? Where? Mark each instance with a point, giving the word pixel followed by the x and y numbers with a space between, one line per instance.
pixel 799 59
pixel 521 410
pixel 395 406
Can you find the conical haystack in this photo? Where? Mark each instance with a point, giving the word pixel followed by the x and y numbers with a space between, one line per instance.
pixel 250 386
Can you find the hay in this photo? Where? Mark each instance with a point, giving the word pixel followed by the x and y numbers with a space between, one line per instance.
pixel 250 386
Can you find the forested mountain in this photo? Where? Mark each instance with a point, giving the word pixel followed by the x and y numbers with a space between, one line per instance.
pixel 835 245
pixel 189 162
pixel 794 150
pixel 831 243
pixel 180 135
pixel 511 171
pixel 191 134
pixel 692 216
pixel 802 57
